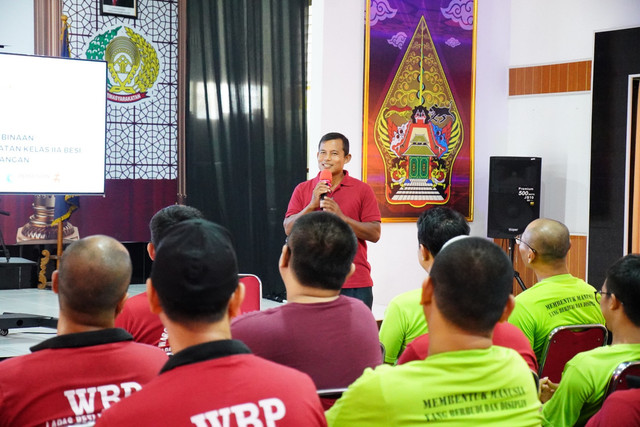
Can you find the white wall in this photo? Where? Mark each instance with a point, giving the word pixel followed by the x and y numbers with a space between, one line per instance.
pixel 16 26
pixel 556 127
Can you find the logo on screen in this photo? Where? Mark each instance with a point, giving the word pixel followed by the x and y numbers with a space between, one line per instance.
pixel 132 63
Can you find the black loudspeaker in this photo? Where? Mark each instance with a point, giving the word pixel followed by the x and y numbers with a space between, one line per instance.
pixel 514 195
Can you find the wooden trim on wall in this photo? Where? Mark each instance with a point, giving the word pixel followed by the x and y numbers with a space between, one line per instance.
pixel 555 78
pixel 47 17
pixel 576 261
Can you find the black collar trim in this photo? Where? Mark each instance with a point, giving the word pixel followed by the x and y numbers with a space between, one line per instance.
pixel 84 339
pixel 205 351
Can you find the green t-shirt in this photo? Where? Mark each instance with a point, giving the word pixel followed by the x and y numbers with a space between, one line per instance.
pixel 491 386
pixel 403 322
pixel 584 382
pixel 555 301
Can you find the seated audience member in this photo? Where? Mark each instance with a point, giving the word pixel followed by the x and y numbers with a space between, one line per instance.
pixel 465 380
pixel 211 380
pixel 329 336
pixel 136 318
pixel 558 299
pixel 89 365
pixel 404 318
pixel 620 409
pixel 586 376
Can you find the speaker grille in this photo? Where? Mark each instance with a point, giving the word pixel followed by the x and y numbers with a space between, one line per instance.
pixel 514 195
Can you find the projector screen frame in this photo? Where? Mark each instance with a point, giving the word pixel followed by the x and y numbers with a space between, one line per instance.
pixel 53 125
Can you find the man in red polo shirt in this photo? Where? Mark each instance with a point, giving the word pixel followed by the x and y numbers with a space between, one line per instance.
pixel 211 379
pixel 135 317
pixel 71 378
pixel 349 198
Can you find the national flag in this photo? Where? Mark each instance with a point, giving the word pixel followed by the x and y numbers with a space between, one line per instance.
pixel 64 207
pixel 64 38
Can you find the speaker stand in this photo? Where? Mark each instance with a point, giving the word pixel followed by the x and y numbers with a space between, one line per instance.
pixel 516 275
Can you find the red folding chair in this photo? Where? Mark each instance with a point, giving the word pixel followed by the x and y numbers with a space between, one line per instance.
pixel 253 292
pixel 565 342
pixel 619 380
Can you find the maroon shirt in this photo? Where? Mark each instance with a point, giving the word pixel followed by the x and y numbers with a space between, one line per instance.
pixel 357 201
pixel 333 342
pixel 620 409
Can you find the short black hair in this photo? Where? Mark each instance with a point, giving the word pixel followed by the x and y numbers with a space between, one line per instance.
pixel 335 135
pixel 169 216
pixel 472 280
pixel 623 280
pixel 195 271
pixel 438 225
pixel 322 249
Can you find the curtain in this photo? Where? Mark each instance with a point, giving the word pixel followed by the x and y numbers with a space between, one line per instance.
pixel 246 122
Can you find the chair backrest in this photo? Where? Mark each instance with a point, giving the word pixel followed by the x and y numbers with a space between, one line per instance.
pixel 619 379
pixel 536 380
pixel 253 292
pixel 565 342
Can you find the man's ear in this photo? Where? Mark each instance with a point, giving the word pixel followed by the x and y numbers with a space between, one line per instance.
pixel 425 255
pixel 285 256
pixel 614 303
pixel 151 249
pixel 351 271
pixel 425 258
pixel 121 303
pixel 427 291
pixel 347 158
pixel 54 282
pixel 508 308
pixel 235 302
pixel 152 297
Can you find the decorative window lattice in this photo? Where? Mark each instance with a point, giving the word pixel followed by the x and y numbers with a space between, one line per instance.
pixel 141 136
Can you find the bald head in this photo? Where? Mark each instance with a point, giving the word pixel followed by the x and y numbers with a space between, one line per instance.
pixel 549 238
pixel 93 278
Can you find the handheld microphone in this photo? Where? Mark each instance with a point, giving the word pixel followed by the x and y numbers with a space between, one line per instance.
pixel 325 176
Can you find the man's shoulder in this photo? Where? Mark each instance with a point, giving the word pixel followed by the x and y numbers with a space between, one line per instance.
pixel 407 298
pixel 608 352
pixel 562 284
pixel 136 303
pixel 567 280
pixel 140 347
pixel 256 318
pixel 11 366
pixel 350 181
